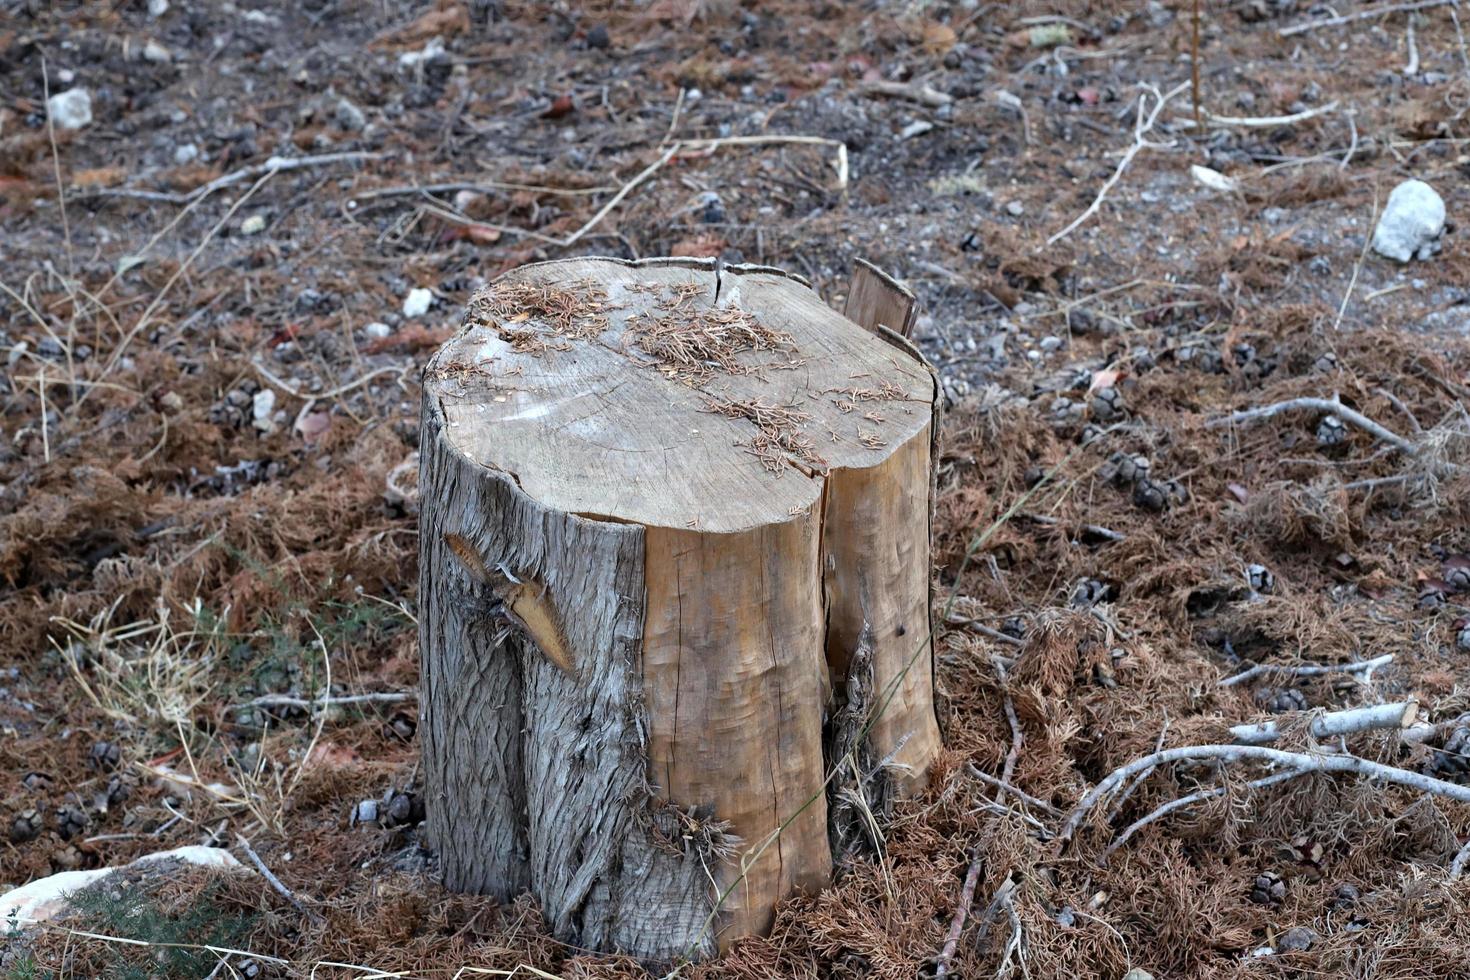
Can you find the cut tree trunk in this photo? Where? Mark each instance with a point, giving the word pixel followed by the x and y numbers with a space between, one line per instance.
pixel 675 575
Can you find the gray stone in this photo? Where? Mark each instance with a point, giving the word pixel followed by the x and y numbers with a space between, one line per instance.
pixel 71 109
pixel 377 330
pixel 349 116
pixel 1412 223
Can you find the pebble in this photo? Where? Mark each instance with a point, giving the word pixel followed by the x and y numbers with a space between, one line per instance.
pixel 1015 209
pixel 1412 223
pixel 349 117
pixel 157 8
pixel 186 154
pixel 253 225
pixel 1138 973
pixel 377 330
pixel 261 408
pixel 1050 344
pixel 71 109
pixel 598 36
pixel 416 303
pixel 157 53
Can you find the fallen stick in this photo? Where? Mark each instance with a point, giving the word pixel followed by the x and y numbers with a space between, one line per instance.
pixel 1019 794
pixel 1184 801
pixel 1096 530
pixel 957 924
pixel 266 872
pixel 1262 122
pixel 1312 25
pixel 984 630
pixel 1258 753
pixel 1457 866
pixel 1141 126
pixel 1364 667
pixel 911 91
pixel 1330 405
pixel 1373 717
pixel 285 701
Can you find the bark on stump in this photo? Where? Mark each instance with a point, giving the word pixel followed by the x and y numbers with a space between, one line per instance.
pixel 675 569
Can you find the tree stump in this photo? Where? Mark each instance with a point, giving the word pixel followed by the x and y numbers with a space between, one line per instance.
pixel 675 570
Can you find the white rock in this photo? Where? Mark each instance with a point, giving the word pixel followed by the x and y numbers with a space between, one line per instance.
pixel 1412 223
pixel 185 154
pixel 253 225
pixel 71 109
pixel 1015 209
pixel 916 128
pixel 417 302
pixel 412 59
pixel 377 330
pixel 157 8
pixel 157 53
pixel 1213 179
pixel 44 898
pixel 262 405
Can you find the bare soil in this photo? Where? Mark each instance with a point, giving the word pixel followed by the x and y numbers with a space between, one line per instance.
pixel 167 563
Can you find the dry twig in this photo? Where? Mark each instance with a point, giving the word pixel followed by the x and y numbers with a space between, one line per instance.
pixel 1304 761
pixel 1312 25
pixel 961 912
pixel 1364 667
pixel 1141 127
pixel 1330 405
pixel 1373 717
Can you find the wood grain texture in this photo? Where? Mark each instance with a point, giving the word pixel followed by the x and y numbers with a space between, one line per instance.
pixel 875 298
pixel 638 618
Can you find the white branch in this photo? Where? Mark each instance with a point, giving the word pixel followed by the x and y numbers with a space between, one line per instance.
pixel 1190 800
pixel 1330 405
pixel 1364 667
pixel 1263 122
pixel 1258 753
pixel 1143 125
pixel 1373 717
pixel 1312 25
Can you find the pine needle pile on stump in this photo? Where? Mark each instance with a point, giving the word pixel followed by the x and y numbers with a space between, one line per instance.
pixel 675 575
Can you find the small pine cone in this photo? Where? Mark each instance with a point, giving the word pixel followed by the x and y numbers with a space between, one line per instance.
pixel 1462 636
pixel 1088 592
pixel 1064 411
pixel 1090 433
pixel 70 821
pixel 1456 573
pixel 1205 359
pixel 1268 889
pixel 1260 579
pixel 1151 495
pixel 1279 700
pixel 105 757
pixel 1107 404
pixel 1297 940
pixel 1344 896
pixel 1243 353
pixel 1175 493
pixel 1014 626
pixel 36 782
pixel 25 826
pixel 401 809
pixel 402 726
pixel 1331 431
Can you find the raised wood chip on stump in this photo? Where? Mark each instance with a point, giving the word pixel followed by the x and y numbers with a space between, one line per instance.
pixel 675 570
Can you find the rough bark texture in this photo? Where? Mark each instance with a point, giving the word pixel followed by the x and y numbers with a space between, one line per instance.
pixel 654 620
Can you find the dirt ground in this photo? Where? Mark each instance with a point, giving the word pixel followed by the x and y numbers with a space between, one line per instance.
pixel 210 417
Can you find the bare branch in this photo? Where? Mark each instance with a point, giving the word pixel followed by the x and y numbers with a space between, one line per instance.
pixel 1257 753
pixel 1373 717
pixel 1371 12
pixel 1364 667
pixel 1330 405
pixel 1144 125
pixel 1184 801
